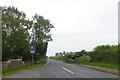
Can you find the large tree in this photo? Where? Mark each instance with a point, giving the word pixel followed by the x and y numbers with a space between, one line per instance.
pixel 17 36
pixel 41 34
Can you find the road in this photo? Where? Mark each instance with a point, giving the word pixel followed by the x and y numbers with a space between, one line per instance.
pixel 58 69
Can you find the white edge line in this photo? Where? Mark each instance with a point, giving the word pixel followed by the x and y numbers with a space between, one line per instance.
pixel 68 70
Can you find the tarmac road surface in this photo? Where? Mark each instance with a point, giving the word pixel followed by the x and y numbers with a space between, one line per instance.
pixel 58 69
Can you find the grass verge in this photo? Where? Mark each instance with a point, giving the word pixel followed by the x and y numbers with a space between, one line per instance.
pixel 13 71
pixel 105 65
pixel 99 64
pixel 0 75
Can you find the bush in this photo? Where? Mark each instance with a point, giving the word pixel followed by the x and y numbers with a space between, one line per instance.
pixel 105 53
pixel 83 59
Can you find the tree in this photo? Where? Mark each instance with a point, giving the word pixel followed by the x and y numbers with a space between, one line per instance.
pixel 17 36
pixel 56 54
pixel 40 34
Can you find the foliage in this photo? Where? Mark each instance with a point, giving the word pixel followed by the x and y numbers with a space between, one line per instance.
pixel 80 54
pixel 105 53
pixel 83 59
pixel 19 33
pixel 14 34
pixel 69 56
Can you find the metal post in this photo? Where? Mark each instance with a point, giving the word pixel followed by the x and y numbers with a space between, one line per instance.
pixel 32 58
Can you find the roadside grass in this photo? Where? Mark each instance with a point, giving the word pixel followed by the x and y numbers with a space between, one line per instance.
pixel 0 75
pixel 99 64
pixel 105 65
pixel 13 71
pixel 58 58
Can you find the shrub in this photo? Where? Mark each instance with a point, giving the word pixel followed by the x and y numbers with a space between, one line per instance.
pixel 83 59
pixel 105 53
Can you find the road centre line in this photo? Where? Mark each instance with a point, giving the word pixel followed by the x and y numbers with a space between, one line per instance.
pixel 68 70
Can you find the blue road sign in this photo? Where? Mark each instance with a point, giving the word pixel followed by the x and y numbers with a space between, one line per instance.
pixel 32 49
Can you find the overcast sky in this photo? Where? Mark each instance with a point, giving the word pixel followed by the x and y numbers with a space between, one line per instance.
pixel 79 24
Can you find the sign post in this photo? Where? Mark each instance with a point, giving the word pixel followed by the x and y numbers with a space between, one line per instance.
pixel 32 51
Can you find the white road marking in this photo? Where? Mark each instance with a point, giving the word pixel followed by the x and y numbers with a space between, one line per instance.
pixel 46 64
pixel 68 70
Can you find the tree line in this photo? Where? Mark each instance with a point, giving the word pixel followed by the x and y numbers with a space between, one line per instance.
pixel 108 54
pixel 19 33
